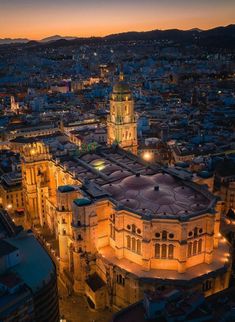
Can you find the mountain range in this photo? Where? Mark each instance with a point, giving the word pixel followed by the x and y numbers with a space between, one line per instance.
pixel 219 37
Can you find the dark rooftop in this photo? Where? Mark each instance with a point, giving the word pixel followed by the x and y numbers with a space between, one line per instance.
pixel 6 248
pixel 95 282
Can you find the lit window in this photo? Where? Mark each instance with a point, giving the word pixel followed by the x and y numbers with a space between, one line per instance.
pixel 199 246
pixel 194 247
pixel 157 250
pixel 138 246
pixel 133 244
pixel 128 242
pixel 189 249
pixel 170 251
pixel 163 251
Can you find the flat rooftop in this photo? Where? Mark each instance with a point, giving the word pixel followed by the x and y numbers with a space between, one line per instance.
pixel 35 266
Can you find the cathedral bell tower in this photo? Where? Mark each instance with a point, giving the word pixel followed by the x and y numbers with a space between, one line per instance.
pixel 121 123
pixel 35 180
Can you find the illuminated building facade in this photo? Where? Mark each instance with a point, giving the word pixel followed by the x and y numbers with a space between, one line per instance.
pixel 125 227
pixel 11 193
pixel 121 123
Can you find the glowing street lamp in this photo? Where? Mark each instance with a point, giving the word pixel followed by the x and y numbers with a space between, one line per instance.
pixel 9 206
pixel 147 156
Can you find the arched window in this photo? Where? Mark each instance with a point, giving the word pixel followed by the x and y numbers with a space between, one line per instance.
pixel 194 247
pixel 170 251
pixel 133 244
pixel 163 251
pixel 138 246
pixel 128 242
pixel 199 246
pixel 190 249
pixel 133 228
pixel 157 250
pixel 123 281
pixel 164 235
pixel 195 232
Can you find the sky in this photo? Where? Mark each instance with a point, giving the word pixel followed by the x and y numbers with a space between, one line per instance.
pixel 36 19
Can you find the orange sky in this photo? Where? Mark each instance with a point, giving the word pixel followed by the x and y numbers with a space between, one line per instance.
pixel 37 19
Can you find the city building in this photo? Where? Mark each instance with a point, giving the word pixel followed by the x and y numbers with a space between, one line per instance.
pixel 125 226
pixel 28 279
pixel 224 183
pixel 169 306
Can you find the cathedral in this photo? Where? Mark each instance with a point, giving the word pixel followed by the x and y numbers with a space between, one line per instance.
pixel 124 226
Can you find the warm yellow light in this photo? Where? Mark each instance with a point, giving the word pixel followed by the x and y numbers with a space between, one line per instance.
pixel 32 152
pixel 9 206
pixel 147 156
pixel 99 165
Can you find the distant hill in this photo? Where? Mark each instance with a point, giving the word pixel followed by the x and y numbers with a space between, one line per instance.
pixel 5 41
pixel 220 37
pixel 216 38
pixel 57 37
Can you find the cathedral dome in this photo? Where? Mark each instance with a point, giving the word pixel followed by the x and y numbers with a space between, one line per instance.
pixel 121 87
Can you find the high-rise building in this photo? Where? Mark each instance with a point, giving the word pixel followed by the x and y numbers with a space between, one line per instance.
pixel 121 123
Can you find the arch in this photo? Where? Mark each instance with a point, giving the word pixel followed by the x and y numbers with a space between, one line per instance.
pixel 133 244
pixel 157 250
pixel 195 247
pixel 171 251
pixel 190 249
pixel 164 251
pixel 195 232
pixel 128 242
pixel 133 228
pixel 199 246
pixel 138 246
pixel 164 235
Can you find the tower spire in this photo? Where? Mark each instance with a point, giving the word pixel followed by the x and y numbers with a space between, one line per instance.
pixel 121 76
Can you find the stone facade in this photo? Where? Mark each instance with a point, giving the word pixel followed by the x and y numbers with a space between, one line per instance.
pixel 121 124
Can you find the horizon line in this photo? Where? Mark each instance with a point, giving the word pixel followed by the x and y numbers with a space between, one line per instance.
pixel 116 33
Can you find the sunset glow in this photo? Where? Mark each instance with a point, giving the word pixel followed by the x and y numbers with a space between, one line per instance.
pixel 37 19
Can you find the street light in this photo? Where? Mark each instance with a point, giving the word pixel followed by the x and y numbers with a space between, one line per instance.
pixel 147 156
pixel 9 206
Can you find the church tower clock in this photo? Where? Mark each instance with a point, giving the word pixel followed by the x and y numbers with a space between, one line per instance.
pixel 121 123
